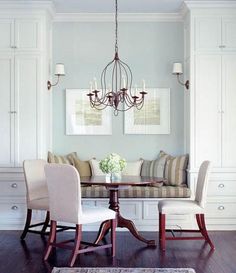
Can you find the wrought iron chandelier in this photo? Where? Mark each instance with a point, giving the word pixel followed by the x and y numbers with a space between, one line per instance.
pixel 118 93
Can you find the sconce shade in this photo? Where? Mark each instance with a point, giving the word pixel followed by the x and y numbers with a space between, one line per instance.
pixel 177 68
pixel 60 69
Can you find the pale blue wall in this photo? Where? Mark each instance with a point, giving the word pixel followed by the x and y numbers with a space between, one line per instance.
pixel 149 49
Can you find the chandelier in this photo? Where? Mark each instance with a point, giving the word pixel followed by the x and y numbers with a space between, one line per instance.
pixel 117 92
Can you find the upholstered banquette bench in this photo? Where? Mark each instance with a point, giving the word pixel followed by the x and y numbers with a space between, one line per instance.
pixel 173 169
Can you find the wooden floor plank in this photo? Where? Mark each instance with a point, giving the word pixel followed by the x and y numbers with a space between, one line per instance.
pixel 26 256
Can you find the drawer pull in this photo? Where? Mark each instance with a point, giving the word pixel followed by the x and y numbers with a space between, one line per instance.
pixel 221 186
pixel 221 208
pixel 14 185
pixel 14 208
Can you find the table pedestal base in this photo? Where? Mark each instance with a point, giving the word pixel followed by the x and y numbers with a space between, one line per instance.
pixel 121 222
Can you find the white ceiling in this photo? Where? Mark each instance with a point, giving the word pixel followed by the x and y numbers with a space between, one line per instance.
pixel 129 6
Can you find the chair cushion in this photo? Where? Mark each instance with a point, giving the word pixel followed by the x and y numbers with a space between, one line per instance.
pixel 39 204
pixel 175 169
pixel 62 159
pixel 138 192
pixel 179 207
pixel 95 214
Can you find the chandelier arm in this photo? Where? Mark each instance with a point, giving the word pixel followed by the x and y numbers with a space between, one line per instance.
pixel 131 76
pixel 103 78
pixel 128 101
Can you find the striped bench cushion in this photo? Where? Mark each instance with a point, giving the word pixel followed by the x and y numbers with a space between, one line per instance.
pixel 138 192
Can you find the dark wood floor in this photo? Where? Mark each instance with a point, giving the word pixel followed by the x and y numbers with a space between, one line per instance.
pixel 26 257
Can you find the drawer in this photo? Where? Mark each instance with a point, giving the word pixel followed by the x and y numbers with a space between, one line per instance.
pixel 12 210
pixel 12 188
pixel 221 209
pixel 222 187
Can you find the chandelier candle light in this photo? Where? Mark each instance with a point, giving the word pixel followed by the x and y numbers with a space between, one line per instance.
pixel 118 92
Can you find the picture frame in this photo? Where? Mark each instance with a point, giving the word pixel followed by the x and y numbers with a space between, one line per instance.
pixel 154 117
pixel 82 119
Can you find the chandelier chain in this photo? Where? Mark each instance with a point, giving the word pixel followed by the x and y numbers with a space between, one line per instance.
pixel 116 32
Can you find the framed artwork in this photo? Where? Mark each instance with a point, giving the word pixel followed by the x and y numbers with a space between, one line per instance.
pixel 154 117
pixel 81 119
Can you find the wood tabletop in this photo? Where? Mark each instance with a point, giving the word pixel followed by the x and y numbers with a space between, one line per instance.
pixel 122 181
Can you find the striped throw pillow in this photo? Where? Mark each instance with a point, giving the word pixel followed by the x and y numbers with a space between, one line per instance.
pixel 154 168
pixel 175 170
pixel 66 159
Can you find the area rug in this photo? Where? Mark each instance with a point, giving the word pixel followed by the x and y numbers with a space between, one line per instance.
pixel 121 270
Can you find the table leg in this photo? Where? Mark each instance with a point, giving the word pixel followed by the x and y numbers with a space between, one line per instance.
pixel 121 222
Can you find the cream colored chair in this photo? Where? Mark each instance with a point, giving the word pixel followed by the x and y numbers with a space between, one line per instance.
pixel 36 194
pixel 181 207
pixel 65 205
pixel 37 197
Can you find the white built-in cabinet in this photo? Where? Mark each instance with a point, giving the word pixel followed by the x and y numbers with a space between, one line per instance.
pixel 210 59
pixel 24 104
pixel 215 33
pixel 23 67
pixel 19 76
pixel 20 34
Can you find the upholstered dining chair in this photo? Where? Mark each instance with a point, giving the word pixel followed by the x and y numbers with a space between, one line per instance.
pixel 37 197
pixel 65 205
pixel 36 194
pixel 182 207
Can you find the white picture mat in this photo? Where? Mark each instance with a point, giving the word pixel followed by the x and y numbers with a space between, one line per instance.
pixel 79 115
pixel 162 97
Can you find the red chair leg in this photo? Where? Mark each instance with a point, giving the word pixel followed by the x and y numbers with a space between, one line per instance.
pixel 113 237
pixel 78 236
pixel 204 231
pixel 27 224
pixel 51 239
pixel 163 231
pixel 46 222
pixel 199 223
pixel 159 228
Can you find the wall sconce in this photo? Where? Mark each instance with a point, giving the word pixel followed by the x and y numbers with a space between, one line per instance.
pixel 178 70
pixel 59 71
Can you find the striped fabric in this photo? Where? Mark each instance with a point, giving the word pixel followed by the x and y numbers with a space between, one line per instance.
pixel 155 167
pixel 138 192
pixel 175 170
pixel 67 159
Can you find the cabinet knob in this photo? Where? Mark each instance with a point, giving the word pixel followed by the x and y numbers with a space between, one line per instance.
pixel 12 112
pixel 14 208
pixel 14 47
pixel 221 186
pixel 221 208
pixel 14 185
pixel 222 46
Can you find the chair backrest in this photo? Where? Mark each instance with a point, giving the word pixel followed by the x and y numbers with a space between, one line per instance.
pixel 202 183
pixel 64 192
pixel 35 179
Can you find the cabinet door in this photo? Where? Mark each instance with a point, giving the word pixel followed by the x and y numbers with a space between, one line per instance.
pixel 6 110
pixel 207 116
pixel 229 110
pixel 229 33
pixel 6 34
pixel 27 34
pixel 208 34
pixel 26 86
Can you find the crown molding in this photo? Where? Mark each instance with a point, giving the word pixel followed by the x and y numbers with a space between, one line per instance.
pixel 207 4
pixel 122 17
